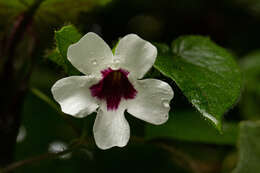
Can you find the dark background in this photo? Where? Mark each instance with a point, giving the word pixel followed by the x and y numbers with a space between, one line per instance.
pixel 233 24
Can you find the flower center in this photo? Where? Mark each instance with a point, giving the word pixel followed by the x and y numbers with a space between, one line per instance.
pixel 113 87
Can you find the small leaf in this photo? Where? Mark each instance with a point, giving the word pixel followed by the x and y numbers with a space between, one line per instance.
pixel 249 148
pixel 206 73
pixel 64 38
pixel 188 126
pixel 56 57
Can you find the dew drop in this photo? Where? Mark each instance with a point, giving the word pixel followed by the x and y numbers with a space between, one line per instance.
pixel 94 62
pixel 194 101
pixel 165 103
pixel 116 61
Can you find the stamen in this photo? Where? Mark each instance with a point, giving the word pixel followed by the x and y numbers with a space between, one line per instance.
pixel 113 87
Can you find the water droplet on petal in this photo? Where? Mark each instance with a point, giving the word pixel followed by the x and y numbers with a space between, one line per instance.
pixel 94 62
pixel 116 61
pixel 165 103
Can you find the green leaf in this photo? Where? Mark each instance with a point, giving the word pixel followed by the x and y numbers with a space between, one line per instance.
pixel 188 126
pixel 59 60
pixel 206 73
pixel 249 148
pixel 56 57
pixel 64 38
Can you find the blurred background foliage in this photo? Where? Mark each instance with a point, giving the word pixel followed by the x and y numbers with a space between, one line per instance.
pixel 186 143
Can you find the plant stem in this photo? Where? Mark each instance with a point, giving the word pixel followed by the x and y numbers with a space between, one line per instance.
pixel 45 98
pixel 180 157
pixel 38 158
pixel 14 85
pixel 52 104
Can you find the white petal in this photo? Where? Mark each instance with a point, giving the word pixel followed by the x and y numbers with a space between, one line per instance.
pixel 152 101
pixel 111 128
pixel 135 55
pixel 74 96
pixel 90 54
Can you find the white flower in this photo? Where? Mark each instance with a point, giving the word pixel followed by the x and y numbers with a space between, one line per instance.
pixel 111 86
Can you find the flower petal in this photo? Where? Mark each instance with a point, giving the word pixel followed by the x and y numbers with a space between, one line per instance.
pixel 90 54
pixel 73 94
pixel 135 55
pixel 111 128
pixel 152 101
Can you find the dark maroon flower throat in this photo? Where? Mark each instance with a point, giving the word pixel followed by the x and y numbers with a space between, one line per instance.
pixel 113 86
